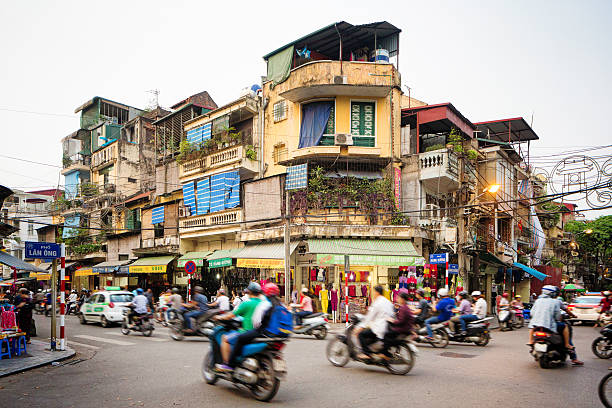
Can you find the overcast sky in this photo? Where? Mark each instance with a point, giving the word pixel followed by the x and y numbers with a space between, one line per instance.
pixel 491 59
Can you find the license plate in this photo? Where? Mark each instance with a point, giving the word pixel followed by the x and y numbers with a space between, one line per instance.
pixel 542 348
pixel 279 365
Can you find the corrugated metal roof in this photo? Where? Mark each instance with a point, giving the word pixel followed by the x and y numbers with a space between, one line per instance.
pixel 111 263
pixel 268 250
pixel 385 247
pixel 223 253
pixel 153 260
pixel 10 260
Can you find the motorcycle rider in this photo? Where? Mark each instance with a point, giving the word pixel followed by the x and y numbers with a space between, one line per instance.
pixel 200 305
pixel 444 308
pixel 373 327
pixel 246 311
pixel 305 305
pixel 604 304
pixel 176 300
pixel 479 312
pixel 72 298
pixel 403 324
pixel 140 305
pixel 504 305
pixel 222 301
pixel 464 309
pixel 422 311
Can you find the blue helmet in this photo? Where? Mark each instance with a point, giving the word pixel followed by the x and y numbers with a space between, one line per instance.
pixel 139 291
pixel 550 290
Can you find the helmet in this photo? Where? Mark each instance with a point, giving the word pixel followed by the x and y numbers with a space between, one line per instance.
pixel 39 290
pixel 476 293
pixel 305 290
pixel 517 296
pixel 443 292
pixel 463 294
pixel 175 290
pixel 222 291
pixel 270 289
pixel 139 291
pixel 254 287
pixel 505 295
pixel 198 289
pixel 549 290
pixel 420 292
pixel 606 293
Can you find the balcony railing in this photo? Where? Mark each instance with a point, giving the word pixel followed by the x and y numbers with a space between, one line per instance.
pixel 194 223
pixel 439 170
pixel 234 156
pixel 160 242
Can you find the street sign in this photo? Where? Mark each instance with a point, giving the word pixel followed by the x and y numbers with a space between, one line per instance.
pixel 453 269
pixel 438 258
pixel 42 250
pixel 190 267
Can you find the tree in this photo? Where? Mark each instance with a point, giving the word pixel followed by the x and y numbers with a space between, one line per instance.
pixel 594 238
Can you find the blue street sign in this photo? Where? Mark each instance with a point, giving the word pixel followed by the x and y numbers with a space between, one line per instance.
pixel 42 250
pixel 453 269
pixel 438 258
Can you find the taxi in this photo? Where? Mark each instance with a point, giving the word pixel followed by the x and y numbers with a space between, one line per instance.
pixel 105 306
pixel 586 308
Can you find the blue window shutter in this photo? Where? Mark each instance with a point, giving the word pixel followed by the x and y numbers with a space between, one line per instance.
pixel 206 131
pixel 203 195
pixel 158 215
pixel 217 192
pixel 189 199
pixel 71 226
pixel 199 134
pixel 232 189
pixel 297 177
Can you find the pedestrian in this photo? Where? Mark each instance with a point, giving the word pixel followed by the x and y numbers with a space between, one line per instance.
pixel 23 305
pixel 149 296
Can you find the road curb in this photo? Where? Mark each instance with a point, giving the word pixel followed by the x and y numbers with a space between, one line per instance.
pixel 41 362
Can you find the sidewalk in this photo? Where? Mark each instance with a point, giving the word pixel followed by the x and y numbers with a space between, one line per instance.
pixel 38 355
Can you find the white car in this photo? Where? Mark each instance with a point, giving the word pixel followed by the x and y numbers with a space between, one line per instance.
pixel 105 307
pixel 586 308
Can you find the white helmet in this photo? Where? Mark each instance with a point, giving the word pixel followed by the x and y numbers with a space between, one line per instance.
pixel 476 293
pixel 549 290
pixel 442 292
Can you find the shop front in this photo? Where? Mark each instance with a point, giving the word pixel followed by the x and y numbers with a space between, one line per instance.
pixel 200 277
pixel 154 272
pixel 106 272
pixel 85 278
pixel 222 271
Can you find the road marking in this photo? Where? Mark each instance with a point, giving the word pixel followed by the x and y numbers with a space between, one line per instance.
pixel 143 337
pixel 71 342
pixel 103 340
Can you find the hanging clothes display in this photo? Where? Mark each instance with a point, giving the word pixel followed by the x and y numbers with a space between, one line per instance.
pixel 334 300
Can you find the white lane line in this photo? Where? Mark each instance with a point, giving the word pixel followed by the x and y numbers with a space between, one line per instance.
pixel 103 340
pixel 141 336
pixel 71 342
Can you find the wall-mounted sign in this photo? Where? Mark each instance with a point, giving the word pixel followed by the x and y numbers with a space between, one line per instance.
pixel 42 250
pixel 261 263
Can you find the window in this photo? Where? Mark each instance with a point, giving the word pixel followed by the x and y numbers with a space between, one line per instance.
pixel 121 298
pixel 279 153
pixel 363 123
pixel 505 177
pixel 30 228
pixel 131 180
pixel 220 124
pixel 124 257
pixel 318 124
pixel 280 111
pixel 158 230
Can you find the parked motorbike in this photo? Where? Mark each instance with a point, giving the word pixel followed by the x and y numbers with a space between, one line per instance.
pixel 548 348
pixel 342 348
pixel 203 325
pixel 602 345
pixel 477 332
pixel 314 324
pixel 142 324
pixel 261 365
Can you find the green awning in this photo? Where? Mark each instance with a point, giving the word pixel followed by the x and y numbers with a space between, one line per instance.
pixel 266 250
pixel 197 256
pixel 382 252
pixel 222 257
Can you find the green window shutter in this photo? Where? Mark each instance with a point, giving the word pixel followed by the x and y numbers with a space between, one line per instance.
pixel 129 219
pixel 330 128
pixel 363 121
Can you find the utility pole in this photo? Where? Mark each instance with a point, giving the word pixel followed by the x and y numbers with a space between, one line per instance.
pixel 461 227
pixel 287 249
pixel 53 304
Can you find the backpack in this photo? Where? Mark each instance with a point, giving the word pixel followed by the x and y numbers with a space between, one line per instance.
pixel 280 323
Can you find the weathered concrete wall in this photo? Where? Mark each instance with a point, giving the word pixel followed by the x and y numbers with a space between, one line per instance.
pixel 263 198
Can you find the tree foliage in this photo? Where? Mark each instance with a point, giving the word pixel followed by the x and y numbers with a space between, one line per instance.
pixel 598 242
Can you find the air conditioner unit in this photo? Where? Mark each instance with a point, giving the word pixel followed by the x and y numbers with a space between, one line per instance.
pixel 343 139
pixel 184 212
pixel 340 80
pixel 467 211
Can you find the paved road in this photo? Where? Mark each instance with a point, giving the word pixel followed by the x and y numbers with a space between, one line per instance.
pixel 112 370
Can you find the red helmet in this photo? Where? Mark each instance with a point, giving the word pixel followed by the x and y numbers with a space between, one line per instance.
pixel 270 289
pixel 505 295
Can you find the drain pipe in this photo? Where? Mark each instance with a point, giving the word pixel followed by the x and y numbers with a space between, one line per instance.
pixel 340 37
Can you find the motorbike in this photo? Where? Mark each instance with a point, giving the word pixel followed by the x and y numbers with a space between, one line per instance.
pixel 548 348
pixel 314 324
pixel 203 325
pixel 604 390
pixel 72 307
pixel 342 348
pixel 142 324
pixel 518 318
pixel 440 336
pixel 40 307
pixel 477 332
pixel 261 366
pixel 602 345
pixel 605 319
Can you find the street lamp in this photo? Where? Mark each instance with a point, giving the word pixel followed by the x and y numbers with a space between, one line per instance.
pixel 493 188
pixel 588 231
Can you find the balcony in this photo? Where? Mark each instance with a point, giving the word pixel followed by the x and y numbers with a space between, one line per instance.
pixel 75 163
pixel 211 224
pixel 439 170
pixel 233 158
pixel 346 78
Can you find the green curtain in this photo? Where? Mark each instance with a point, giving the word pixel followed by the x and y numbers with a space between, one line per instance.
pixel 279 66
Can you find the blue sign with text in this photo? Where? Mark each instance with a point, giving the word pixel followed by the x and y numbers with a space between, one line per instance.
pixel 453 269
pixel 438 258
pixel 42 250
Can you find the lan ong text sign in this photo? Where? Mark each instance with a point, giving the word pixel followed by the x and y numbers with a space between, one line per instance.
pixel 42 250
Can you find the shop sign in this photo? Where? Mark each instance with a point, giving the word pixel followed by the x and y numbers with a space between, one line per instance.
pixel 397 188
pixel 438 258
pixel 261 263
pixel 148 269
pixel 379 260
pixel 84 272
pixel 104 269
pixel 43 276
pixel 220 263
pixel 453 269
pixel 182 262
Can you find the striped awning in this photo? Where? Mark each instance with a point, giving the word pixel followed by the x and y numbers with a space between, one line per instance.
pixel 13 262
pixel 198 257
pixel 268 250
pixel 366 252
